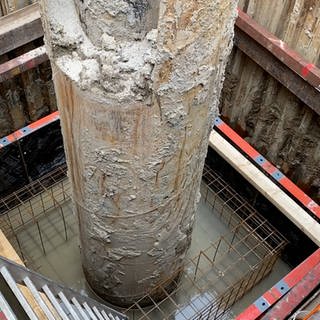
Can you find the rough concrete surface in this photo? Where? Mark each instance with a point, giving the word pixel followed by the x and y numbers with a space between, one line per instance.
pixel 271 118
pixel 138 84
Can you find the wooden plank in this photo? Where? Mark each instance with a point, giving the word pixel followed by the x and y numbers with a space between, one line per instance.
pixel 293 190
pixel 7 251
pixel 266 186
pixel 19 28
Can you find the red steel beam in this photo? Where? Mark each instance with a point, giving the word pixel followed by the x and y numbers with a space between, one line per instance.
pixel 276 293
pixel 293 190
pixel 2 315
pixel 286 306
pixel 282 51
pixel 21 133
pixel 278 70
pixel 23 63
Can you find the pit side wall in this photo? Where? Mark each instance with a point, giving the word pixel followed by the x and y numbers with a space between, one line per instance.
pixel 265 113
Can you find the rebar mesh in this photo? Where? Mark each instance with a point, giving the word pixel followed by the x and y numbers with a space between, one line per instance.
pixel 220 275
pixel 209 284
pixel 30 203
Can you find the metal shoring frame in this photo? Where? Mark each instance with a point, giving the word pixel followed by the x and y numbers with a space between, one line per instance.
pixel 267 269
pixel 253 221
pixel 179 306
pixel 241 257
pixel 247 223
pixel 11 201
pixel 156 306
pixel 252 212
pixel 240 202
pixel 229 298
pixel 195 286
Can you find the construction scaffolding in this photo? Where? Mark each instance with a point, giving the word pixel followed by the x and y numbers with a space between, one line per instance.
pixel 208 285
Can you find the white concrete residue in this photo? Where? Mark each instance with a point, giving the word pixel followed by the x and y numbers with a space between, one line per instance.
pixel 136 121
pixel 72 48
pixel 71 66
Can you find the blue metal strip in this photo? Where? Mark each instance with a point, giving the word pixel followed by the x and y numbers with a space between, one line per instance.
pixel 4 142
pixel 260 160
pixel 218 121
pixel 262 304
pixel 282 287
pixel 278 175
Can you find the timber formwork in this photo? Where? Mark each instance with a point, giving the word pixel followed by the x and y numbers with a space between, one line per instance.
pixel 20 27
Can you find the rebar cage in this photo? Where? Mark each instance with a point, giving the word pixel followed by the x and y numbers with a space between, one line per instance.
pixel 32 202
pixel 209 284
pixel 219 276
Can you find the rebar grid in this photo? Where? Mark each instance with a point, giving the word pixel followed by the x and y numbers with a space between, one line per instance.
pixel 33 201
pixel 208 284
pixel 221 274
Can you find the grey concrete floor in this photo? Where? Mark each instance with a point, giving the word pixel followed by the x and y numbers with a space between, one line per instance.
pixel 61 260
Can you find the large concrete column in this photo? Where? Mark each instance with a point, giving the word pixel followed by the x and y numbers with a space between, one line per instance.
pixel 138 84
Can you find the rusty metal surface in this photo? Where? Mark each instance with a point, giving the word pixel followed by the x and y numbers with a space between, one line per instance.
pixel 286 306
pixel 278 69
pixel 280 49
pixel 25 62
